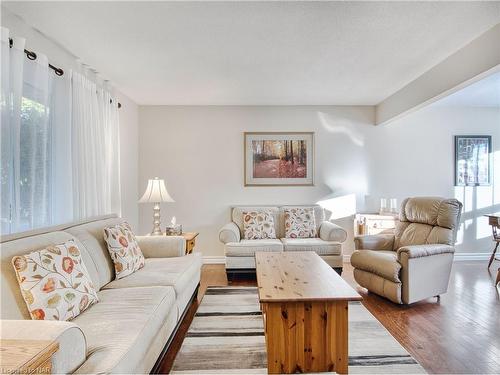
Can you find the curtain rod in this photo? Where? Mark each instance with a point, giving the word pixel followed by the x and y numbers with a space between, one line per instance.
pixel 59 72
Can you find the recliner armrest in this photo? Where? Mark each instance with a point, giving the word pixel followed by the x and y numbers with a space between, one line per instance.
pixel 419 251
pixel 229 233
pixel 329 231
pixel 374 242
pixel 162 246
pixel 72 350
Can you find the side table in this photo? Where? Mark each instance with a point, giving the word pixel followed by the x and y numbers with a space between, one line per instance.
pixel 190 238
pixel 374 223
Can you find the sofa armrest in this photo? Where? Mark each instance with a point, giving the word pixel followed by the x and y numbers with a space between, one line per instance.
pixel 329 231
pixel 419 251
pixel 229 233
pixel 374 242
pixel 162 246
pixel 72 350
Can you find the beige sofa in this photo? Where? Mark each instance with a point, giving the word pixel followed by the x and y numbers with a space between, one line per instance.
pixel 130 327
pixel 240 253
pixel 415 262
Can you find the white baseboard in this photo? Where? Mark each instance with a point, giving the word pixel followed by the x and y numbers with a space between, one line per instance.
pixel 459 257
pixel 463 257
pixel 221 259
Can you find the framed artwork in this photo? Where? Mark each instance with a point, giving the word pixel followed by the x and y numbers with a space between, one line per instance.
pixel 472 160
pixel 279 159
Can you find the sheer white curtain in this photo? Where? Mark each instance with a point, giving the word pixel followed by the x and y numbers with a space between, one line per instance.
pixel 59 144
pixel 34 125
pixel 96 147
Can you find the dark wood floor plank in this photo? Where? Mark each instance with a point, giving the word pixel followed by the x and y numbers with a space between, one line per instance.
pixel 459 334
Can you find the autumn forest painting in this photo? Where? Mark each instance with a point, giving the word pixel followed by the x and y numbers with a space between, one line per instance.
pixel 279 159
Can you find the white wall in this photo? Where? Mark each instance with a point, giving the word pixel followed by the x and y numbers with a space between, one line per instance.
pixel 415 156
pixel 199 152
pixel 59 57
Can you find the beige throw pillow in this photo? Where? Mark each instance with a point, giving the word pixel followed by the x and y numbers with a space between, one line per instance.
pixel 54 282
pixel 300 222
pixel 123 249
pixel 258 225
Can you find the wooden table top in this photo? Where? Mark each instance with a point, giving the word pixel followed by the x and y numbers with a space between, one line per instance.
pixel 17 356
pixel 187 235
pixel 299 276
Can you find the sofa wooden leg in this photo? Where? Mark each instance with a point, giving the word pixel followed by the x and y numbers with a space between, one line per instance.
pixel 338 270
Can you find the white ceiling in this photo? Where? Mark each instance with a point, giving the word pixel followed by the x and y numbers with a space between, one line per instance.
pixel 252 53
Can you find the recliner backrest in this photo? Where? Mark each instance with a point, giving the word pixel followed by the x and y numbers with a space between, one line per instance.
pixel 427 220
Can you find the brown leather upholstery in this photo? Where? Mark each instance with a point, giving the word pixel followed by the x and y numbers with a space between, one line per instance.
pixel 421 251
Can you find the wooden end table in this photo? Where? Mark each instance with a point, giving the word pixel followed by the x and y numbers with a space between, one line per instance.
pixel 190 241
pixel 304 304
pixel 190 238
pixel 27 356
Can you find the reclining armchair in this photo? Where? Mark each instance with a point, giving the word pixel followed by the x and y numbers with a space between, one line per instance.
pixel 415 262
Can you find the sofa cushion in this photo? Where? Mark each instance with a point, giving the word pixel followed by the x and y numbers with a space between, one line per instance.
pixel 312 244
pixel 121 328
pixel 123 249
pixel 300 222
pixel 90 235
pixel 320 215
pixel 54 282
pixel 258 225
pixel 246 248
pixel 12 302
pixel 379 262
pixel 177 272
pixel 237 216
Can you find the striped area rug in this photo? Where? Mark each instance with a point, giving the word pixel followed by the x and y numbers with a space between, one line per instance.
pixel 227 336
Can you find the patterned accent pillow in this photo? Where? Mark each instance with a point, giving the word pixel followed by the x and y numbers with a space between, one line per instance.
pixel 123 249
pixel 54 282
pixel 258 225
pixel 300 222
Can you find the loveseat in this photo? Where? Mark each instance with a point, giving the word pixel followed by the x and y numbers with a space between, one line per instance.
pixel 129 329
pixel 415 262
pixel 240 253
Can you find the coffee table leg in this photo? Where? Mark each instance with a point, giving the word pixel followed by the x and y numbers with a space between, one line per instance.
pixel 306 337
pixel 337 334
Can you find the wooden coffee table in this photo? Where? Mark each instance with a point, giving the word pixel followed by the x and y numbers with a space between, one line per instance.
pixel 27 356
pixel 304 303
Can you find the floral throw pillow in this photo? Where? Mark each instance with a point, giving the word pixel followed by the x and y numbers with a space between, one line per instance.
pixel 258 225
pixel 54 282
pixel 123 249
pixel 300 222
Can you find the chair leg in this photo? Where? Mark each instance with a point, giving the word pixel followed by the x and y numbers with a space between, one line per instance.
pixel 493 255
pixel 498 277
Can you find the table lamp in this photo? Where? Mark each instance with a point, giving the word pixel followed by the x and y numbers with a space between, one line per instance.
pixel 156 193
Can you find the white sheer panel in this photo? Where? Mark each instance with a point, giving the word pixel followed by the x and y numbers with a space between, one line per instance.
pixel 95 149
pixel 12 85
pixel 5 134
pixel 59 144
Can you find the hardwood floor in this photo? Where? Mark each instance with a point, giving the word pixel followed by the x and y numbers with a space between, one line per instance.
pixel 459 334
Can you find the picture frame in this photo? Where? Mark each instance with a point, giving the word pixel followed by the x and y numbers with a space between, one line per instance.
pixel 279 158
pixel 472 160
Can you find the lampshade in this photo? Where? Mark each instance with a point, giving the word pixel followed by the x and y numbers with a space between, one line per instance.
pixel 156 192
